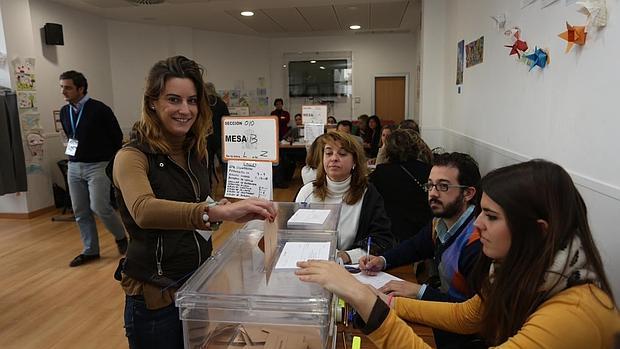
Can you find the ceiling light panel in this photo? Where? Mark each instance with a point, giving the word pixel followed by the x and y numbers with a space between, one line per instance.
pixel 358 14
pixel 387 15
pixel 288 18
pixel 260 22
pixel 320 18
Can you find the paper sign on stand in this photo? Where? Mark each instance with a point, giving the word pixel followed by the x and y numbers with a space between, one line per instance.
pixel 312 131
pixel 314 114
pixel 250 138
pixel 239 111
pixel 249 179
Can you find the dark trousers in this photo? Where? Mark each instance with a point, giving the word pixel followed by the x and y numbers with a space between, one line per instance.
pixel 152 329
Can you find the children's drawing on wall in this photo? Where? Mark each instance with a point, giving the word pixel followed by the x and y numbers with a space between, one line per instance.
pixel 24 74
pixel 475 52
pixel 26 100
pixel 35 142
pixel 460 58
pixel 25 82
pixel 30 121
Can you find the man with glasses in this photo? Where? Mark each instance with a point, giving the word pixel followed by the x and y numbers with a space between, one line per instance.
pixel 450 239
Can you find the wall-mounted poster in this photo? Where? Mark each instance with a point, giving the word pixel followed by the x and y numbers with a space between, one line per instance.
pixel 474 51
pixel 460 58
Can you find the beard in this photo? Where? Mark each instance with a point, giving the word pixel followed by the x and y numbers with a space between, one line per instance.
pixel 449 209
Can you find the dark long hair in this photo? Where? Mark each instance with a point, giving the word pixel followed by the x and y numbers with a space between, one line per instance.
pixel 150 129
pixel 527 192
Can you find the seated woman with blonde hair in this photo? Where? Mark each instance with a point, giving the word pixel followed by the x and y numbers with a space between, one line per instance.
pixel 342 178
pixel 540 282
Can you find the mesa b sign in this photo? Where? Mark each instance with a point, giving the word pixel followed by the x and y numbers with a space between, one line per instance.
pixel 250 138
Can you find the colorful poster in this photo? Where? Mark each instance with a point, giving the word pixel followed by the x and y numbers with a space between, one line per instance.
pixel 460 58
pixel 475 52
pixel 26 100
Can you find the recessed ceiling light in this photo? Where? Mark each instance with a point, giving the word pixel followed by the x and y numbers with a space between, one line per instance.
pixel 247 13
pixel 312 61
pixel 355 27
pixel 283 65
pixel 322 67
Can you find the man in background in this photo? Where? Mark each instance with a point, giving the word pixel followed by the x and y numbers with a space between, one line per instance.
pixel 283 117
pixel 94 136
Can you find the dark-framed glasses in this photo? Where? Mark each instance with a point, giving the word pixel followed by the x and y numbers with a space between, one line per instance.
pixel 441 186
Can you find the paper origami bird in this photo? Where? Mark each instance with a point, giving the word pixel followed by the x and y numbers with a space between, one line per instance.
pixel 538 58
pixel 574 35
pixel 518 46
pixel 596 10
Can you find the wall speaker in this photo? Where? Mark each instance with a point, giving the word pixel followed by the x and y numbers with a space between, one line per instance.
pixel 53 34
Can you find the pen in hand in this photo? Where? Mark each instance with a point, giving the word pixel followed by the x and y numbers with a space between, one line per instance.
pixel 368 250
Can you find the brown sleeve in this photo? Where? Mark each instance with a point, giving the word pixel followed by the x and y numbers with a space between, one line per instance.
pixel 130 176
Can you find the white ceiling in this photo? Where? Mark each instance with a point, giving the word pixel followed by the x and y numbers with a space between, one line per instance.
pixel 272 18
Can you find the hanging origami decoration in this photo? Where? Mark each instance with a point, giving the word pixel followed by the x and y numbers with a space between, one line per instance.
pixel 574 35
pixel 518 46
pixel 539 58
pixel 596 10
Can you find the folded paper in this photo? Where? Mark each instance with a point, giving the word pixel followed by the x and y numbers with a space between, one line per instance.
pixel 539 58
pixel 574 35
pixel 596 10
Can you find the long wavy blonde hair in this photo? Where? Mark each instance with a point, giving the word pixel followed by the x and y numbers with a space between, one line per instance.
pixel 150 129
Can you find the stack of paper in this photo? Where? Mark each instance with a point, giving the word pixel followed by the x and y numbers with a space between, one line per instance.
pixel 308 219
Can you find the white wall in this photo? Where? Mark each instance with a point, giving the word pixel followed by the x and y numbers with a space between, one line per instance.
pixel 566 113
pixel 135 47
pixel 373 54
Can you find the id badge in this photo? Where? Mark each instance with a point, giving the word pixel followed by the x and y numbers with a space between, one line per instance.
pixel 71 147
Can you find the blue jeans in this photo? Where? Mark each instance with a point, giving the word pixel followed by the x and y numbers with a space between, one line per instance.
pixel 152 329
pixel 90 193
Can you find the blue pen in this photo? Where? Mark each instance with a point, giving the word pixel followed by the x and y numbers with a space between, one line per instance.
pixel 368 250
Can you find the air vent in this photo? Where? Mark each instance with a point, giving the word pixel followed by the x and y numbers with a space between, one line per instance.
pixel 145 2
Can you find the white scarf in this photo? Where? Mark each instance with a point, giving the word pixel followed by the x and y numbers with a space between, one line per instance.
pixel 569 268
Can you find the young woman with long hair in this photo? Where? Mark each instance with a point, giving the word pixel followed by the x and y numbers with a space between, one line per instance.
pixel 541 282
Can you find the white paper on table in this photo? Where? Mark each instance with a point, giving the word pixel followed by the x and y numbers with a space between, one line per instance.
pixel 376 281
pixel 302 251
pixel 307 218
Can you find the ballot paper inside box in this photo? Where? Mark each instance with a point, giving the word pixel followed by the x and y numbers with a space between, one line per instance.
pixel 235 300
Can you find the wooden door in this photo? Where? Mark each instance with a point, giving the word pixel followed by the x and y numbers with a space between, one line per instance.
pixel 390 94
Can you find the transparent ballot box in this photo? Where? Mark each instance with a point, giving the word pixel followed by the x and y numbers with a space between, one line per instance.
pixel 235 301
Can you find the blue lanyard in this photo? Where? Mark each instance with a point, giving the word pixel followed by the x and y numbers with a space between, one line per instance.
pixel 74 125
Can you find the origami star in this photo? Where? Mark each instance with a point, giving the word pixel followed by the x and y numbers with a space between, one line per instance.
pixel 519 45
pixel 538 58
pixel 596 10
pixel 574 35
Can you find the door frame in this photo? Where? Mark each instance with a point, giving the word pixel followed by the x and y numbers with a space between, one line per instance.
pixel 389 75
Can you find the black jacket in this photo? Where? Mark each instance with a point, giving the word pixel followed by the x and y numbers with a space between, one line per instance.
pixel 98 133
pixel 374 222
pixel 179 252
pixel 406 203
